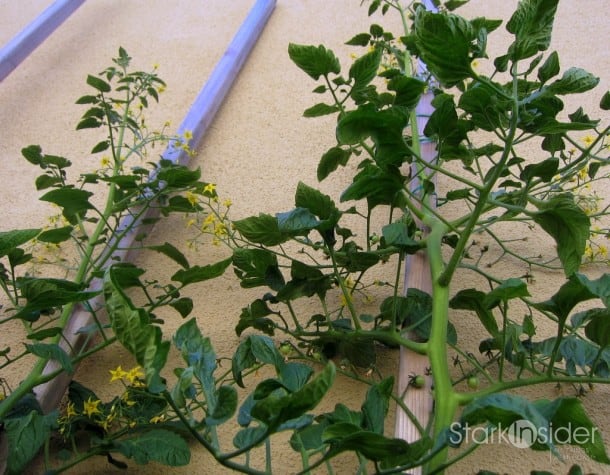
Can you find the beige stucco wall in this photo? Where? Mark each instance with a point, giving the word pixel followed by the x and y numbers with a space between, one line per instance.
pixel 257 150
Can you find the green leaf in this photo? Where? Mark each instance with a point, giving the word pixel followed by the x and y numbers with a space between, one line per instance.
pixel 344 436
pixel 276 410
pixel 184 306
pixel 361 39
pixel 400 234
pixel 315 201
pixel 25 436
pixel 315 61
pixel 487 111
pixel 509 289
pixel 101 146
pixel 133 328
pixel 225 407
pixel 376 185
pixel 331 160
pixel 376 405
pixel 178 176
pixel 472 299
pixel 364 69
pixel 299 221
pixel 74 202
pixel 550 68
pixel 568 225
pixel 157 445
pixel 408 91
pixel 598 329
pixel 46 181
pixel 573 81
pixel 89 123
pixel 360 350
pixel 544 170
pixel 254 316
pixel 262 229
pixel 577 289
pixel 444 42
pixel 45 333
pixel 56 235
pixel 10 240
pixel 604 103
pixel 98 83
pixel 256 267
pixel 320 109
pixel 87 100
pixel 54 352
pixel 172 252
pixel 385 127
pixel 532 25
pixel 201 273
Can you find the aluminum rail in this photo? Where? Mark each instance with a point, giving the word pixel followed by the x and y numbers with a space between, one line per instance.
pixel 28 39
pixel 197 121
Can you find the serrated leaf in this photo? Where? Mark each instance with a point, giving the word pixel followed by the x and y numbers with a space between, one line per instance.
pixel 364 69
pixel 443 41
pixel 133 328
pixel 276 410
pixel 296 222
pixel 604 103
pixel 568 225
pixel 262 229
pixel 25 436
pixel 550 68
pixel 532 25
pixel 331 160
pixel 75 202
pixel 9 240
pixel 98 83
pixel 172 252
pixel 89 123
pixel 573 81
pixel 544 170
pixel 256 267
pixel 54 352
pixel 318 203
pixel 201 273
pixel 316 61
pixel 56 235
pixel 184 306
pixel 320 109
pixel 157 445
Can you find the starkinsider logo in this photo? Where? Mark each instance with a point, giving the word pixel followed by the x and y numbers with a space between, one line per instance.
pixel 523 434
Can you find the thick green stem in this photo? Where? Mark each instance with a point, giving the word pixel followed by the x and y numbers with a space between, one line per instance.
pixel 445 398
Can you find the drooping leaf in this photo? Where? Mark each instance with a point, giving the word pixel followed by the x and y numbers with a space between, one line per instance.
pixel 53 352
pixel 544 170
pixel 195 274
pixel 573 81
pixel 184 306
pixel 376 405
pixel 316 61
pixel 444 42
pixel 257 267
pixel 315 201
pixel 568 225
pixel 550 68
pixel 320 109
pixel 75 202
pixel 262 229
pixel 532 25
pixel 9 240
pixel 276 410
pixel 299 221
pixel 331 160
pixel 173 253
pixel 56 235
pixel 25 436
pixel 473 299
pixel 98 83
pixel 134 329
pixel 364 69
pixel 157 445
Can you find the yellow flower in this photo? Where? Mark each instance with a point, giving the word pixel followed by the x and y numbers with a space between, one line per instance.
pixel 582 173
pixel 134 374
pixel 161 89
pixel 71 410
pixel 603 251
pixel 588 140
pixel 474 64
pixel 209 188
pixel 90 407
pixel 157 419
pixel 208 221
pixel 192 198
pixel 105 162
pixel 220 230
pixel 227 203
pixel 190 223
pixel 188 135
pixel 118 374
pixel 156 66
